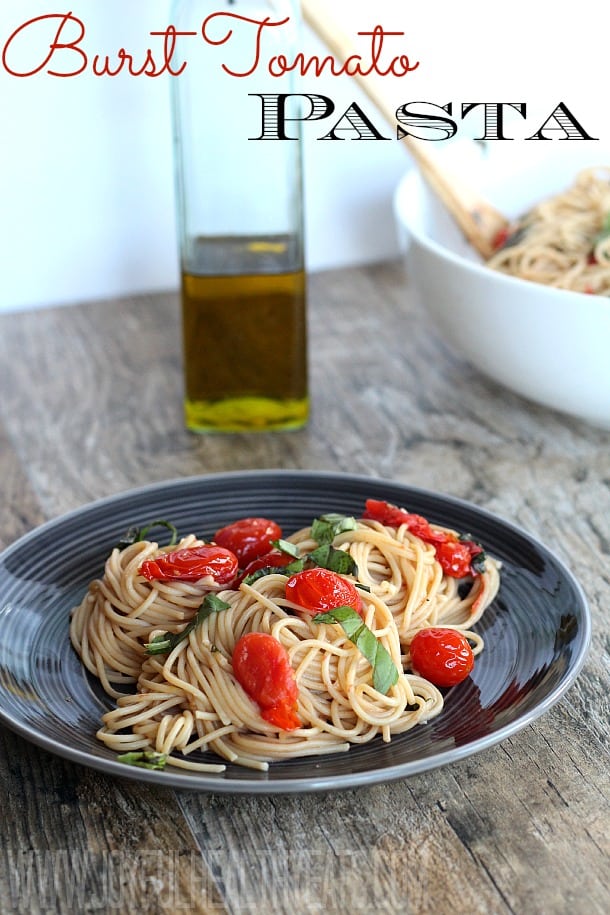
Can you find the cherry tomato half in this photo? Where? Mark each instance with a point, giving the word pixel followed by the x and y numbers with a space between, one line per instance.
pixel 442 656
pixel 318 590
pixel 262 668
pixel 248 538
pixel 191 564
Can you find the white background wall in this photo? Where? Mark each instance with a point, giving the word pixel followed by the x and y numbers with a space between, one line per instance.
pixel 86 186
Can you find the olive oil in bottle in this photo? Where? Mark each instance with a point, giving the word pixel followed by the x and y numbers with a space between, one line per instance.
pixel 244 337
pixel 240 220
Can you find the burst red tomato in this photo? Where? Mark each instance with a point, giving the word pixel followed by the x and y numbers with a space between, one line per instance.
pixel 262 668
pixel 453 555
pixel 455 558
pixel 193 563
pixel 385 513
pixel 272 559
pixel 318 590
pixel 248 538
pixel 442 656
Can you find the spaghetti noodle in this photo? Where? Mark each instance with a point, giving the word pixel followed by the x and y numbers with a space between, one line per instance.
pixel 189 699
pixel 563 241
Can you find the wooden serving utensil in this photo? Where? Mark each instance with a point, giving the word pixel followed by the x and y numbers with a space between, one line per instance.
pixel 477 218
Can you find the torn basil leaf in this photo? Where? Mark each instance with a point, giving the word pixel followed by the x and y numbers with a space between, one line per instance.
pixel 145 759
pixel 132 535
pixel 284 546
pixel 478 563
pixel 325 528
pixel 328 557
pixel 167 641
pixel 136 534
pixel 385 673
pixel 297 566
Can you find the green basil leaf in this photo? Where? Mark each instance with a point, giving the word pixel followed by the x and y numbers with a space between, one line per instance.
pixel 325 528
pixel 132 535
pixel 136 534
pixel 167 641
pixel 478 563
pixel 385 673
pixel 327 557
pixel 284 546
pixel 212 603
pixel 145 759
pixel 160 523
pixel 347 617
pixel 297 566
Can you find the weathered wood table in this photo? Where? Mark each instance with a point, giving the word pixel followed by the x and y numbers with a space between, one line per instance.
pixel 90 404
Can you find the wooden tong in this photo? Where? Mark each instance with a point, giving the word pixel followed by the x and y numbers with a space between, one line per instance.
pixel 477 218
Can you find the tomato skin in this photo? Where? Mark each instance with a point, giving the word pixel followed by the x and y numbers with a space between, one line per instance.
pixel 274 558
pixel 455 558
pixel 442 656
pixel 318 590
pixel 191 564
pixel 262 668
pixel 248 538
pixel 393 516
pixel 386 513
pixel 453 555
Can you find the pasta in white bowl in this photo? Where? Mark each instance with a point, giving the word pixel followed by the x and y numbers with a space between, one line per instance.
pixel 548 341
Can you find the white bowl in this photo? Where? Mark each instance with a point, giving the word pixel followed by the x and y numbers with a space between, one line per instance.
pixel 549 345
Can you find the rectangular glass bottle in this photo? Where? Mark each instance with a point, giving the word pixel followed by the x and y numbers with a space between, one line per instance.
pixel 240 217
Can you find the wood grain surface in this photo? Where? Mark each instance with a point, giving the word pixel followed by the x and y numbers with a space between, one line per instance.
pixel 90 404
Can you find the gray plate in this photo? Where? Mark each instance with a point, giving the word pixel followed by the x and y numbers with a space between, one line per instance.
pixel 536 632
